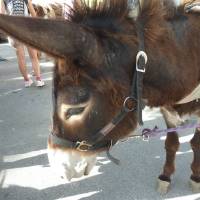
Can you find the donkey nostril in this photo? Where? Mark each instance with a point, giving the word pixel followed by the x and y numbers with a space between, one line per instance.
pixel 73 111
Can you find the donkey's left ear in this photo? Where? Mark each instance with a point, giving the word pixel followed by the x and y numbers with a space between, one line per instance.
pixel 59 38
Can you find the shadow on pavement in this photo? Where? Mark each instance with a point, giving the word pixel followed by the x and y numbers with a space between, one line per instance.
pixel 135 178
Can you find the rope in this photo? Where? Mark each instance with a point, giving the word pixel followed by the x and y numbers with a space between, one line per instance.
pixel 148 133
pixel 155 131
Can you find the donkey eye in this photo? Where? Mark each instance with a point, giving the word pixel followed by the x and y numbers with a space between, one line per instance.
pixel 73 111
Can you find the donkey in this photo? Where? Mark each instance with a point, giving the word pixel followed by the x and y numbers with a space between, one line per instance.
pixel 96 52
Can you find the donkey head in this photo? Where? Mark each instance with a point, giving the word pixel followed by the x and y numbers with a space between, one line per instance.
pixel 94 64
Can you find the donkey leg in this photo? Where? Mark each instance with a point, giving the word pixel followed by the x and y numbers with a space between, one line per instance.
pixel 172 119
pixel 195 166
pixel 171 146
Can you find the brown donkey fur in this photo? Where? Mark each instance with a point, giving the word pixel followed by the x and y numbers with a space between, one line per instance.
pixel 48 11
pixel 95 61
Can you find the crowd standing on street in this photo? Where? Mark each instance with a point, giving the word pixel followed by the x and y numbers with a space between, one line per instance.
pixel 23 8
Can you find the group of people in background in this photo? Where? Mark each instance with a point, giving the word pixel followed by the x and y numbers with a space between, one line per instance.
pixel 27 8
pixel 24 8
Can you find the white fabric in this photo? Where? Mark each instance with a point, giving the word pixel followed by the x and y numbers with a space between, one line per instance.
pixel 194 95
pixel 17 7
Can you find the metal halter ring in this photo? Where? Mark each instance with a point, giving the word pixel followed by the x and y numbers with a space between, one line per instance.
pixel 83 146
pixel 145 138
pixel 144 55
pixel 125 104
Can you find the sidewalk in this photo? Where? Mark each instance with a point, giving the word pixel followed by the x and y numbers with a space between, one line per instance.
pixel 9 71
pixel 7 52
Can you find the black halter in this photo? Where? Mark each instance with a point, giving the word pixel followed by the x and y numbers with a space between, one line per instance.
pixel 135 98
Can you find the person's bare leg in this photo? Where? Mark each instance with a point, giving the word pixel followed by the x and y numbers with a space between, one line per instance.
pixel 21 61
pixel 35 62
pixel 36 67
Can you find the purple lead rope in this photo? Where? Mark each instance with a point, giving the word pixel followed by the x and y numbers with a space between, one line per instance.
pixel 146 133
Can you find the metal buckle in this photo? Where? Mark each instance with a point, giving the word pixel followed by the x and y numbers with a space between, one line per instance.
pixel 83 146
pixel 125 104
pixel 145 138
pixel 144 55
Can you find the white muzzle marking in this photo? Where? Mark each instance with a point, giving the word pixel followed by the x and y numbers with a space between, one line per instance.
pixel 71 163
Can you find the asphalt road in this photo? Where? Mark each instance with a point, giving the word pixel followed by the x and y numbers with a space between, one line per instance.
pixel 25 120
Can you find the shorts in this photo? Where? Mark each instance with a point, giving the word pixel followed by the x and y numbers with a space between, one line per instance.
pixel 14 42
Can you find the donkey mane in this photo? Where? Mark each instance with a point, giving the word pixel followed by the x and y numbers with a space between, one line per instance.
pixel 107 14
pixel 100 9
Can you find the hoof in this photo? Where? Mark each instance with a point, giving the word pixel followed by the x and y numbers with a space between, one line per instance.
pixel 195 186
pixel 163 186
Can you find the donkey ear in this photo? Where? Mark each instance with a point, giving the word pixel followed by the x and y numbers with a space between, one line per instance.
pixel 59 38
